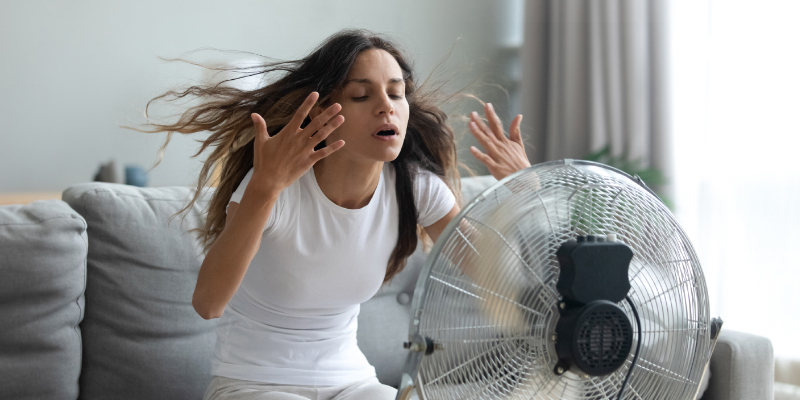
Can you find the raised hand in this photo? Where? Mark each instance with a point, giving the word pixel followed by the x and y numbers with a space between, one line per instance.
pixel 283 158
pixel 504 155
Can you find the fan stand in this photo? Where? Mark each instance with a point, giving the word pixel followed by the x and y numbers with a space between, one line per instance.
pixel 716 328
pixel 417 347
pixel 406 393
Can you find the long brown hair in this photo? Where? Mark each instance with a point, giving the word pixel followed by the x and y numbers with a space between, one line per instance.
pixel 225 113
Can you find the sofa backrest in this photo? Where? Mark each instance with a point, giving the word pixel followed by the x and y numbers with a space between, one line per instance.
pixel 43 250
pixel 142 338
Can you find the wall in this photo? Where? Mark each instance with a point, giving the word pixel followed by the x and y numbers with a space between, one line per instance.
pixel 73 72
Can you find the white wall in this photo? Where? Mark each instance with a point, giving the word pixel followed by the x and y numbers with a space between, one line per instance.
pixel 72 72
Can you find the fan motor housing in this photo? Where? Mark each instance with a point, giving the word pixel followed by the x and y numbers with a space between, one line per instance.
pixel 593 333
pixel 593 269
pixel 595 338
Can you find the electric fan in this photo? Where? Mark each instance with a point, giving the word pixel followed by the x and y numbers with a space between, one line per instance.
pixel 566 280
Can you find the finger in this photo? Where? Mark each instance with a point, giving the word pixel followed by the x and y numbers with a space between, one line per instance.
pixel 514 131
pixel 482 157
pixel 326 130
pixel 327 150
pixel 494 121
pixel 483 138
pixel 323 118
pixel 482 126
pixel 260 127
pixel 302 112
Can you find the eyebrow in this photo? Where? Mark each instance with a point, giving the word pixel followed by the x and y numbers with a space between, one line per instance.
pixel 391 81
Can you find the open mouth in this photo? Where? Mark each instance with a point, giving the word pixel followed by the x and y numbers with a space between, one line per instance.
pixel 386 131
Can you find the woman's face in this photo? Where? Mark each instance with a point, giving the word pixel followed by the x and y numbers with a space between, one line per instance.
pixel 374 107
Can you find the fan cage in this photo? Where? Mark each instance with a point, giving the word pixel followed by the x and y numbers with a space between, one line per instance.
pixel 488 292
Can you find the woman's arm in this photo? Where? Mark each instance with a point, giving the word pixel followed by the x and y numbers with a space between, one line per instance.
pixel 228 258
pixel 436 229
pixel 506 155
pixel 277 162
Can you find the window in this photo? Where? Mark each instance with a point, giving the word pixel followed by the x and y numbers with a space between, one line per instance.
pixel 736 81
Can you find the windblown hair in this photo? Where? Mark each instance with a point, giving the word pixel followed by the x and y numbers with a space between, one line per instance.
pixel 224 111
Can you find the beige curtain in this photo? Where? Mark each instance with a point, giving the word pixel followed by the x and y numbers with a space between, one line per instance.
pixel 594 74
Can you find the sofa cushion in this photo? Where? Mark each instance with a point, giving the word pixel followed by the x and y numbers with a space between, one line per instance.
pixel 142 337
pixel 43 248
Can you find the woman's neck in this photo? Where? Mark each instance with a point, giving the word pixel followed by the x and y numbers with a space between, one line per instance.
pixel 347 183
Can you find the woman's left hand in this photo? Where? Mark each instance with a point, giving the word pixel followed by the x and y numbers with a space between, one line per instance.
pixel 506 155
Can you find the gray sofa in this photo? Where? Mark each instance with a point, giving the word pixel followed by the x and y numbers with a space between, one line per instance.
pixel 95 303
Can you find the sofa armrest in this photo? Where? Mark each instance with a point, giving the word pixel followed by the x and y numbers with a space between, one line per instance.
pixel 742 368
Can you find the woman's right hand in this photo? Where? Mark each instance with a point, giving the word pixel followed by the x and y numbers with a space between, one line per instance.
pixel 282 159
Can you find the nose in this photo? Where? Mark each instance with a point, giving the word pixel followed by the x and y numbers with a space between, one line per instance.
pixel 385 105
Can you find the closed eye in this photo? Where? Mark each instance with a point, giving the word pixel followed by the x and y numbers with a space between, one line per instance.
pixel 362 98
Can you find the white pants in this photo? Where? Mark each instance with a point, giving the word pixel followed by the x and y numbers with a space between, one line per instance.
pixel 222 388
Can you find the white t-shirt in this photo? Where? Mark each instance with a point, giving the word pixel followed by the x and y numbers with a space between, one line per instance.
pixel 293 320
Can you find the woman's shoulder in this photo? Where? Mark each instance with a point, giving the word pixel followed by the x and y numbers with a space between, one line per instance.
pixel 428 177
pixel 289 192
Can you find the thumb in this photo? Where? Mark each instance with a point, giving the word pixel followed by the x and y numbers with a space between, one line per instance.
pixel 260 127
pixel 514 132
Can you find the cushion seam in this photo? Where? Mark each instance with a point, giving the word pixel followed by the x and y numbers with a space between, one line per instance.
pixel 67 216
pixel 76 328
pixel 102 190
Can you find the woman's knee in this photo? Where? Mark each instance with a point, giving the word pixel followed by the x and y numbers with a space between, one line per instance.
pixel 374 391
pixel 261 395
pixel 233 389
pixel 280 396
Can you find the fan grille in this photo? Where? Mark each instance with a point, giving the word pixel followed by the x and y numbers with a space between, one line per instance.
pixel 488 293
pixel 604 340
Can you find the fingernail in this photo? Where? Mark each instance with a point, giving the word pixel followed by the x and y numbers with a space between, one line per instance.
pixel 490 105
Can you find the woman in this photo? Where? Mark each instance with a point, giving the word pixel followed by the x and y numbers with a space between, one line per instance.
pixel 327 173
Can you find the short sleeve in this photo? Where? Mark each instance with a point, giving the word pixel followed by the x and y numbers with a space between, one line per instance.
pixel 434 199
pixel 239 193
